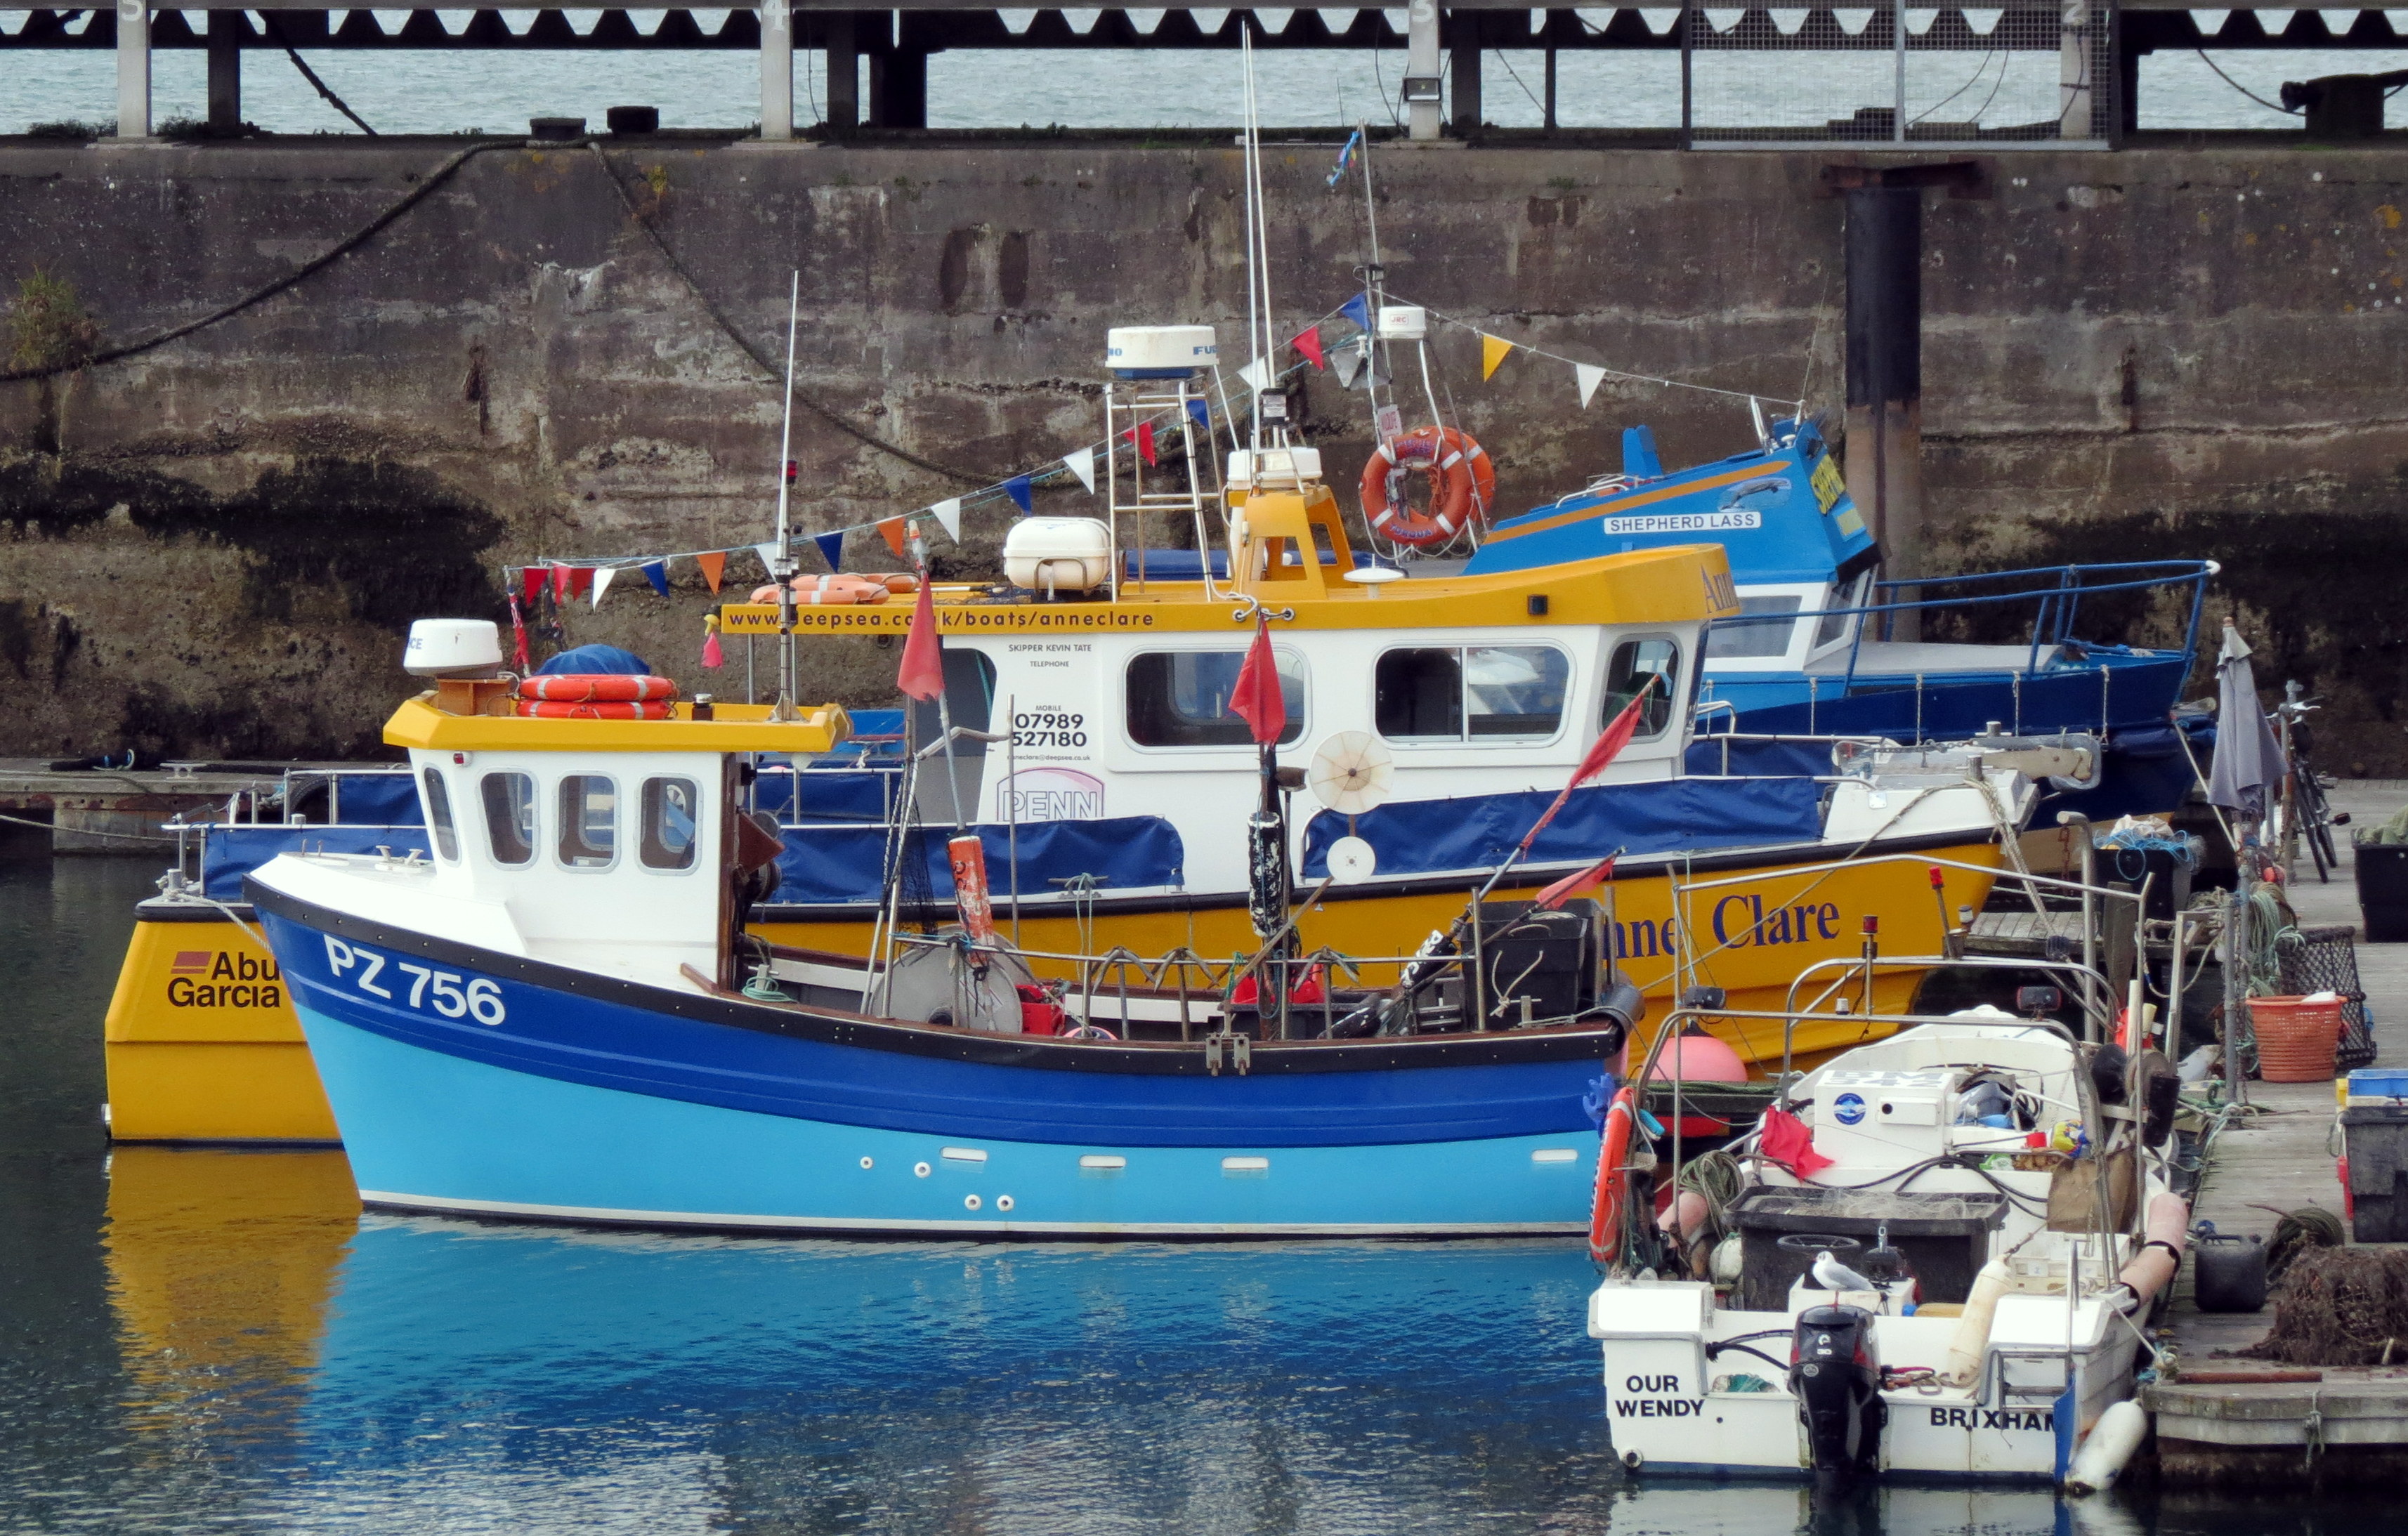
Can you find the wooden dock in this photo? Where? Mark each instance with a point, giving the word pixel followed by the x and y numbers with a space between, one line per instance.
pixel 117 811
pixel 2350 1426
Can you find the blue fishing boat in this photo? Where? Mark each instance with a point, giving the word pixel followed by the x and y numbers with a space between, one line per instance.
pixel 1818 648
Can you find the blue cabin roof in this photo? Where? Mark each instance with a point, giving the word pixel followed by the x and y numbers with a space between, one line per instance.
pixel 1782 515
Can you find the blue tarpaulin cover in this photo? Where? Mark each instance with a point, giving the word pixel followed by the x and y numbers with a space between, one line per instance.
pixel 377 799
pixel 1706 756
pixel 229 852
pixel 824 795
pixel 1476 832
pixel 828 864
pixel 585 660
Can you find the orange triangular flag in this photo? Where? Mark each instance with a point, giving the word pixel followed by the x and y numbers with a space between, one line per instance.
pixel 891 531
pixel 714 566
pixel 1492 352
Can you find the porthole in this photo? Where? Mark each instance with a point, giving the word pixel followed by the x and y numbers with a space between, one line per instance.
pixel 970 1201
pixel 920 1171
pixel 1002 1202
pixel 867 1163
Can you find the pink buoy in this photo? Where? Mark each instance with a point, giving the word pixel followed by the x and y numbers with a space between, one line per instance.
pixel 1700 1058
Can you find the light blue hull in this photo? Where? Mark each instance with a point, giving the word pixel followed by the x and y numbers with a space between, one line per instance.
pixel 430 1131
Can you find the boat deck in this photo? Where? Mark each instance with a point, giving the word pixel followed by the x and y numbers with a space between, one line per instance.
pixel 2349 1424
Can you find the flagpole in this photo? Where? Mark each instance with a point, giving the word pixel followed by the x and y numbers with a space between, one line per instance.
pixel 783 572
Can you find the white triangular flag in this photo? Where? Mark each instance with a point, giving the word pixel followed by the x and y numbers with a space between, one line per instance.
pixel 1081 463
pixel 1256 375
pixel 602 583
pixel 768 554
pixel 948 515
pixel 1590 375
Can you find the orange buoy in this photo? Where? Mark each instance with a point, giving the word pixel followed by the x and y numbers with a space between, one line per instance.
pixel 1463 485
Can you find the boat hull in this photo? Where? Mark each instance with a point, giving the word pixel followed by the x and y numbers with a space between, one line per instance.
pixel 597 1101
pixel 201 1044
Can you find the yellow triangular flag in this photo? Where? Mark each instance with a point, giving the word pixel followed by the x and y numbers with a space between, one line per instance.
pixel 1492 352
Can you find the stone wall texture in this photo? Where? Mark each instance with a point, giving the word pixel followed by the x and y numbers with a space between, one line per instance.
pixel 213 547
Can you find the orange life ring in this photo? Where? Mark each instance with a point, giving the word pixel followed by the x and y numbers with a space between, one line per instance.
pixel 1463 485
pixel 1612 1181
pixel 596 688
pixel 838 591
pixel 541 709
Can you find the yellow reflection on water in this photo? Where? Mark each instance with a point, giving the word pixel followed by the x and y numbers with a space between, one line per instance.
pixel 220 1267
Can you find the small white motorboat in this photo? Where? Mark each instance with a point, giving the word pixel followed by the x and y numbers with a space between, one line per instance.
pixel 1933 1258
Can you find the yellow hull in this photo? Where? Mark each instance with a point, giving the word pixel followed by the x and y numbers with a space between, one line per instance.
pixel 202 1044
pixel 1751 938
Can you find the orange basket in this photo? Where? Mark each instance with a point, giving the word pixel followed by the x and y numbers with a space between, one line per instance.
pixel 2296 1037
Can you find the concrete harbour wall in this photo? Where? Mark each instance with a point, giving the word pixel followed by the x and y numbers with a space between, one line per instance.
pixel 211 547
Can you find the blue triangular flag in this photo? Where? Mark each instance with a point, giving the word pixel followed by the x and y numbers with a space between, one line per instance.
pixel 1018 486
pixel 1358 310
pixel 1202 412
pixel 831 548
pixel 657 573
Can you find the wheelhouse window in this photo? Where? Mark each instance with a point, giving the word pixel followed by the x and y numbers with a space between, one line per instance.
pixel 1653 664
pixel 438 817
pixel 1833 627
pixel 589 821
pixel 1181 698
pixel 671 813
pixel 1761 630
pixel 510 817
pixel 1470 692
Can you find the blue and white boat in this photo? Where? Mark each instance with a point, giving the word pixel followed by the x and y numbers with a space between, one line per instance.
pixel 1813 654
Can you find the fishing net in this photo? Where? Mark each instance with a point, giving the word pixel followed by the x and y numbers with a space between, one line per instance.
pixel 2340 1306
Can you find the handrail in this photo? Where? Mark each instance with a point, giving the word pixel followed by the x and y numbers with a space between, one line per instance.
pixel 2060 602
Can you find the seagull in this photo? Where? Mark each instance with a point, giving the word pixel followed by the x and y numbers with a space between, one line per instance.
pixel 1832 1275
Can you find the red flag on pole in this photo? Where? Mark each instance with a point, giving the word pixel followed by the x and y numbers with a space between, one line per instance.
pixel 1580 885
pixel 1610 743
pixel 923 673
pixel 1257 699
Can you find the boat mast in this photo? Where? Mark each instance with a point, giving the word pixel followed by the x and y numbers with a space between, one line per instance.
pixel 782 568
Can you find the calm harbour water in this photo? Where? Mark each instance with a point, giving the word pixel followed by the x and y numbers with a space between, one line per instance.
pixel 219 1341
pixel 424 93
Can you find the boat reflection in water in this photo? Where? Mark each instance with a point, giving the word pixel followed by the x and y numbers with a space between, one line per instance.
pixel 394 1374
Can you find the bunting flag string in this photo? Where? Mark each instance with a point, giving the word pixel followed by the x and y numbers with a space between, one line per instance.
pixel 602 583
pixel 1494 350
pixel 575 576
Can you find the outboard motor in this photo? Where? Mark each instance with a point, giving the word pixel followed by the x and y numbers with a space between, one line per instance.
pixel 1835 1373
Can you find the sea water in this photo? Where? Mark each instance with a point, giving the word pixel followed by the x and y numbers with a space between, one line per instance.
pixel 221 1340
pixel 411 91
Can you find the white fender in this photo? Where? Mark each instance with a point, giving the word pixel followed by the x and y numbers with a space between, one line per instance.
pixel 1972 1338
pixel 2108 1448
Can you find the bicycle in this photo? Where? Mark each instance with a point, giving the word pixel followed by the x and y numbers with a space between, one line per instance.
pixel 2302 814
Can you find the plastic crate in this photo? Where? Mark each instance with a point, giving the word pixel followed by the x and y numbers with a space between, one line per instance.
pixel 2324 959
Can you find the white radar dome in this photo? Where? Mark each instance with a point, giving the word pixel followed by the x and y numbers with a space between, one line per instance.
pixel 1159 352
pixel 453 648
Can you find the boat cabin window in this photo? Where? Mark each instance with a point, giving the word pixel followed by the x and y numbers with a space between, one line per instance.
pixel 510 817
pixel 1635 665
pixel 670 814
pixel 1761 629
pixel 1181 698
pixel 1470 692
pixel 589 821
pixel 439 817
pixel 1833 627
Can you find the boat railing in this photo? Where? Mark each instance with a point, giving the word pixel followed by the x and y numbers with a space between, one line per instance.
pixel 2036 886
pixel 1187 979
pixel 2057 604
